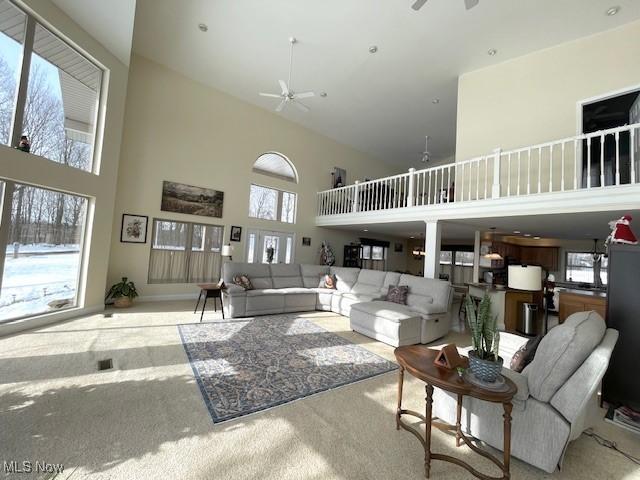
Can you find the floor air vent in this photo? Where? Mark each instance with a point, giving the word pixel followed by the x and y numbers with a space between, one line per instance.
pixel 105 364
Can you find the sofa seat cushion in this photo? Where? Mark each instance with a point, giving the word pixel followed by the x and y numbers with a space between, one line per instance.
pixel 562 351
pixel 386 310
pixel 356 297
pixel 297 291
pixel 234 291
pixel 261 292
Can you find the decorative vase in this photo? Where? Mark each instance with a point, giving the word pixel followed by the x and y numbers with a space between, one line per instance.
pixel 122 302
pixel 485 370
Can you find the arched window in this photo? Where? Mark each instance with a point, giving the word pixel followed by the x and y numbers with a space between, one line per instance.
pixel 276 165
pixel 268 203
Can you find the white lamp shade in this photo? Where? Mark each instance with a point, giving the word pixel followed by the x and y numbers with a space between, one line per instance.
pixel 525 277
pixel 227 251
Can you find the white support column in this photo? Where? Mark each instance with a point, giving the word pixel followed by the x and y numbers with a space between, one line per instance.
pixel 476 257
pixel 495 188
pixel 412 187
pixel 432 250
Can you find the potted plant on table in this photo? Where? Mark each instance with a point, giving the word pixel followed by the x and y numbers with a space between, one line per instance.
pixel 122 293
pixel 484 360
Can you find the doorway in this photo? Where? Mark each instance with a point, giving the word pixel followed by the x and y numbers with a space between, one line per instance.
pixel 264 246
pixel 598 160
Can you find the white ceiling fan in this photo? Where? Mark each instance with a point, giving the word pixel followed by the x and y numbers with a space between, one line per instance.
pixel 426 156
pixel 288 95
pixel 469 4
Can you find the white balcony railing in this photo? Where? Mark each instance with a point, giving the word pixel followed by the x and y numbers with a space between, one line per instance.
pixel 595 160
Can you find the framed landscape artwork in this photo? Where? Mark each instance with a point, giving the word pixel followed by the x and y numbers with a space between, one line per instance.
pixel 134 228
pixel 181 198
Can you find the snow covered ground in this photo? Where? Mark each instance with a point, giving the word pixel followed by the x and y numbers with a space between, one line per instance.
pixel 38 275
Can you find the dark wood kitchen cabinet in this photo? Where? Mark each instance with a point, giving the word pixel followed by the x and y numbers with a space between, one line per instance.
pixel 546 257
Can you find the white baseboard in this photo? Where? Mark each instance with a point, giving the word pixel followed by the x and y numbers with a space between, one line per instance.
pixel 47 319
pixel 167 298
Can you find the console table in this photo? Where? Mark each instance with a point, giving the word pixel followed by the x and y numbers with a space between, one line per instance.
pixel 418 360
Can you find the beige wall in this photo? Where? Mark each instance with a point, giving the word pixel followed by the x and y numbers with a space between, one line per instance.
pixel 533 98
pixel 35 170
pixel 180 130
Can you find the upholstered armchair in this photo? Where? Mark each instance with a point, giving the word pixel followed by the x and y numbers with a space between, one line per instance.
pixel 557 392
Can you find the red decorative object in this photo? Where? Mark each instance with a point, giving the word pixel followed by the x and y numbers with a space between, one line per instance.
pixel 621 231
pixel 449 357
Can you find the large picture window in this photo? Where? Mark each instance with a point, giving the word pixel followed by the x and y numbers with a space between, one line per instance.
pixel 49 92
pixel 184 252
pixel 272 204
pixel 44 231
pixel 579 268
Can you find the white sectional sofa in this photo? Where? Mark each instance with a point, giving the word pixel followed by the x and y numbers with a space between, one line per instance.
pixel 359 293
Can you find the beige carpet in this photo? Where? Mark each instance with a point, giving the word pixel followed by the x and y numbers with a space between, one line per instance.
pixel 146 418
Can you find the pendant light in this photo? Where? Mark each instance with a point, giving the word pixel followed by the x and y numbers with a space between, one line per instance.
pixel 491 255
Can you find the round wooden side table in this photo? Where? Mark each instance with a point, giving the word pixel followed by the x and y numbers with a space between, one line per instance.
pixel 417 360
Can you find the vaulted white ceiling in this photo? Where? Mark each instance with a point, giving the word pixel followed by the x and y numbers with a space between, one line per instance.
pixel 378 103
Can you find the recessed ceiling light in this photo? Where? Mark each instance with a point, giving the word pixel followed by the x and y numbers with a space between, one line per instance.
pixel 323 94
pixel 373 49
pixel 536 238
pixel 435 101
pixel 491 52
pixel 612 11
pixel 517 232
pixel 203 27
pixel 412 237
pixel 527 234
pixel 365 230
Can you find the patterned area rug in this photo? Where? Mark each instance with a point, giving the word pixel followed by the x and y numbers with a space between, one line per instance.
pixel 247 365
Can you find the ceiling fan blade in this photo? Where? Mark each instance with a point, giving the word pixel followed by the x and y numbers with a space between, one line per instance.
pixel 469 4
pixel 418 4
pixel 273 95
pixel 305 95
pixel 302 106
pixel 283 86
pixel 280 107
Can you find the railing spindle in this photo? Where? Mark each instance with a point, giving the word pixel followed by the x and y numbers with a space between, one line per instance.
pixel 589 162
pixel 575 166
pixel 562 169
pixel 602 182
pixel 486 176
pixel 529 171
pixel 617 137
pixel 632 147
pixel 508 175
pixel 551 167
pixel 539 169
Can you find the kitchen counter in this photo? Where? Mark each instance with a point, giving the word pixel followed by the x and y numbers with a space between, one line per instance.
pixel 505 303
pixel 573 300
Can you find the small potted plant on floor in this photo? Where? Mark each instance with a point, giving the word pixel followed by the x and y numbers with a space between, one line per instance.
pixel 484 361
pixel 122 293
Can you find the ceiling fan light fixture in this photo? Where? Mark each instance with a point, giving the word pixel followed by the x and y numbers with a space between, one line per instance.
pixel 435 101
pixel 203 27
pixel 492 52
pixel 373 49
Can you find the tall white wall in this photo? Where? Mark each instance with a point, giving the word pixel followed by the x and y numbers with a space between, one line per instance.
pixel 180 130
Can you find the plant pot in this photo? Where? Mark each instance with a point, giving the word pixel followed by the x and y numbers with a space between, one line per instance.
pixel 485 370
pixel 122 302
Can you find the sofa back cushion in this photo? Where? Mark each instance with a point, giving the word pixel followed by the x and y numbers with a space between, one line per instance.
pixel 369 282
pixel 311 274
pixel 390 280
pixel 425 291
pixel 286 275
pixel 561 352
pixel 346 277
pixel 259 274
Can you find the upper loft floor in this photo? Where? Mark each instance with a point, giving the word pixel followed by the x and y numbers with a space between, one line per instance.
pixel 591 172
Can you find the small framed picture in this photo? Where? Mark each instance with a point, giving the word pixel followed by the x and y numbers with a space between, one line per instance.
pixel 398 247
pixel 306 241
pixel 236 234
pixel 134 228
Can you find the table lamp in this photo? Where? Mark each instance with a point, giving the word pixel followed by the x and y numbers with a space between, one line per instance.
pixel 225 251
